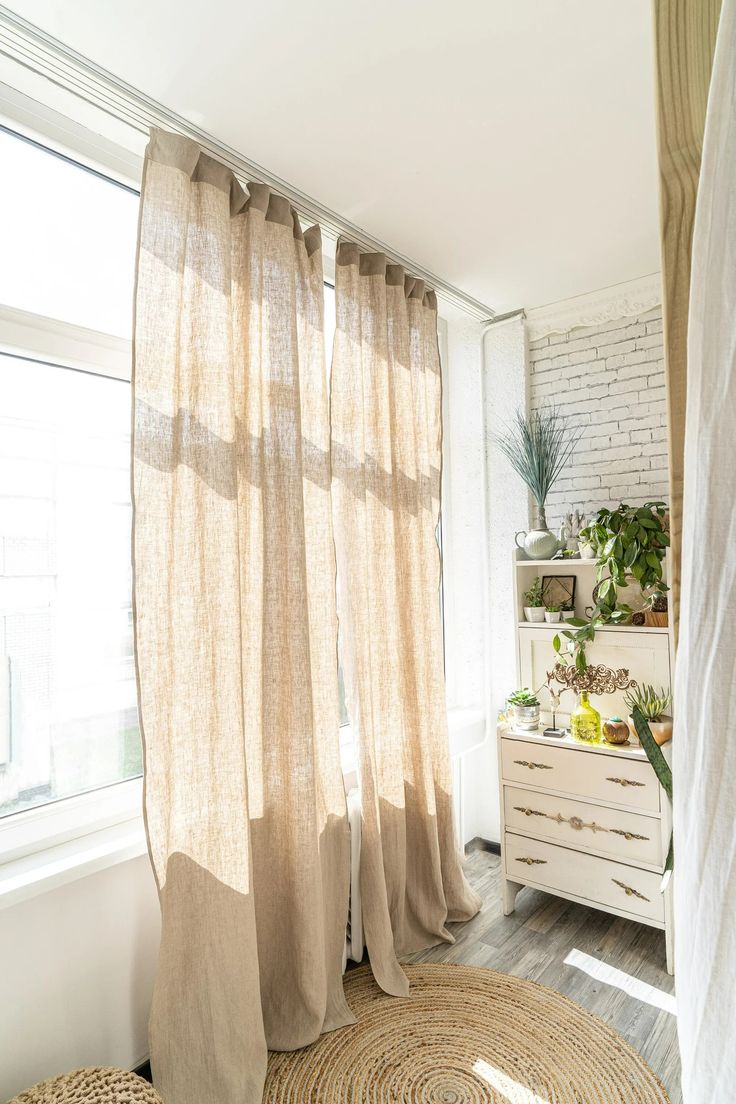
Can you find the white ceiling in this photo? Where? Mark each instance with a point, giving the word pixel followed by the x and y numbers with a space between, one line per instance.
pixel 508 145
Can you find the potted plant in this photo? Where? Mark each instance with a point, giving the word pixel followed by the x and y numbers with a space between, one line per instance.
pixel 631 542
pixel 567 612
pixel 586 543
pixel 533 602
pixel 552 614
pixel 523 710
pixel 538 445
pixel 651 706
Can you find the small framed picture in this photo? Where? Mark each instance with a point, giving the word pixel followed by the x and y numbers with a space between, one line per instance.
pixel 559 590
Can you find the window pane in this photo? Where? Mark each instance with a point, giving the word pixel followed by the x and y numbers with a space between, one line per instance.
pixel 68 716
pixel 68 240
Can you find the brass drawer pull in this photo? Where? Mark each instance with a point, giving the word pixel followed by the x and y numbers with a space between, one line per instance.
pixel 629 891
pixel 577 824
pixel 532 766
pixel 627 835
pixel 532 862
pixel 625 782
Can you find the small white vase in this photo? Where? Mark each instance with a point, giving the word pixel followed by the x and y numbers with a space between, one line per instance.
pixel 551 617
pixel 534 613
pixel 587 551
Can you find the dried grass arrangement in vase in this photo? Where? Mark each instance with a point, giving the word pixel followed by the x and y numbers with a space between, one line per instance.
pixel 538 445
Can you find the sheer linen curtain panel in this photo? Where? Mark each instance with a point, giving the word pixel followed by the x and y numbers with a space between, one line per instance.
pixel 234 590
pixel 386 463
pixel 705 779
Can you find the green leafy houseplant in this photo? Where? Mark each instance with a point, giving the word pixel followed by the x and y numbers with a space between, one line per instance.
pixel 538 445
pixel 553 609
pixel 631 542
pixel 533 596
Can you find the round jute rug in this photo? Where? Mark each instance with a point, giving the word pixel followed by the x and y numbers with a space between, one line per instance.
pixel 464 1035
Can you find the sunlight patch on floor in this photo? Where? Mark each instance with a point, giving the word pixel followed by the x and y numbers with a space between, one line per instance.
pixel 641 990
pixel 501 1082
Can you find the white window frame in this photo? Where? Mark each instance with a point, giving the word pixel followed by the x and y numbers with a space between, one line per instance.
pixel 62 840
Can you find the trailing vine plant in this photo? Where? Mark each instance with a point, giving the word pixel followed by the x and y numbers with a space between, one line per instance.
pixel 631 541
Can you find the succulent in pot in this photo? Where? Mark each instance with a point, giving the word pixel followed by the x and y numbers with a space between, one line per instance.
pixel 652 706
pixel 533 602
pixel 552 614
pixel 523 710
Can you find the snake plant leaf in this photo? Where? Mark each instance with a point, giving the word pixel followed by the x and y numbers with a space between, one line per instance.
pixel 664 773
pixel 654 753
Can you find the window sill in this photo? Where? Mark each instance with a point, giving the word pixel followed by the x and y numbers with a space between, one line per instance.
pixel 24 878
pixel 56 845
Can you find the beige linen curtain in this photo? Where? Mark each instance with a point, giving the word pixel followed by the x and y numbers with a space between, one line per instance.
pixel 386 457
pixel 235 628
pixel 684 38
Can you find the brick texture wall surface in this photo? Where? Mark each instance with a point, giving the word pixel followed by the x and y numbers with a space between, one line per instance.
pixel 610 380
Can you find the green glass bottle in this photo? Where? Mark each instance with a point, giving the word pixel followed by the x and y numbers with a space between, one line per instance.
pixel 585 721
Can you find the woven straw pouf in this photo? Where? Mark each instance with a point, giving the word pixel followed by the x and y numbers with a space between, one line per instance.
pixel 101 1085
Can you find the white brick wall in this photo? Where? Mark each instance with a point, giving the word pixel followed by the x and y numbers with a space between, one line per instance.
pixel 610 380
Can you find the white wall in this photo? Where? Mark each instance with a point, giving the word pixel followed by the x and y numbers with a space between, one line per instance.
pixel 604 367
pixel 485 503
pixel 77 975
pixel 610 379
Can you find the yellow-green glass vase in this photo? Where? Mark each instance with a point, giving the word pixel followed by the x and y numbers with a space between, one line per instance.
pixel 585 722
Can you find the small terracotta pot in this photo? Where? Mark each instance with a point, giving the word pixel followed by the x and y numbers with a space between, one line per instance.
pixel 660 730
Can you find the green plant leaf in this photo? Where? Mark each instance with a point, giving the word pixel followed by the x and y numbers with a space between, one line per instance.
pixel 653 751
pixel 556 642
pixel 580 661
pixel 632 553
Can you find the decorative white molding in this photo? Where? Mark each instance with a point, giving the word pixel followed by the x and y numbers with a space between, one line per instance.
pixel 592 309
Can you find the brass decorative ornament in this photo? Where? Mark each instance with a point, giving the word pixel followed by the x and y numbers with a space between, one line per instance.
pixel 595 679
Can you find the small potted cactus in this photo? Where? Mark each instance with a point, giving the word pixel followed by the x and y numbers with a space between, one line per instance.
pixel 533 602
pixel 523 710
pixel 652 706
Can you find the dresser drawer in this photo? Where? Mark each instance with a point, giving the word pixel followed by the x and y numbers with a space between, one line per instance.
pixel 591 775
pixel 601 882
pixel 574 823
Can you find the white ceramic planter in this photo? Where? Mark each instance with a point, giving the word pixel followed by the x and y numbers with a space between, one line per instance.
pixel 552 616
pixel 534 613
pixel 567 615
pixel 587 552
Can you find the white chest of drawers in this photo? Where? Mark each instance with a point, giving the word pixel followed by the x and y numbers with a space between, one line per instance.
pixel 588 823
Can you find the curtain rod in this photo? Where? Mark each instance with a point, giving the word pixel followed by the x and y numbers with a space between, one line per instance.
pixel 29 46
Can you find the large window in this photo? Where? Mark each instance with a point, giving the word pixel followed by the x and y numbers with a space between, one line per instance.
pixel 68 709
pixel 68 716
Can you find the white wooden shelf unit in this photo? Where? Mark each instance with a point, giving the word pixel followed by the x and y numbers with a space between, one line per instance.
pixel 586 822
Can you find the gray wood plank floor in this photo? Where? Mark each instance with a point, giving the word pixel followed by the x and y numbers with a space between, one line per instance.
pixel 616 967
